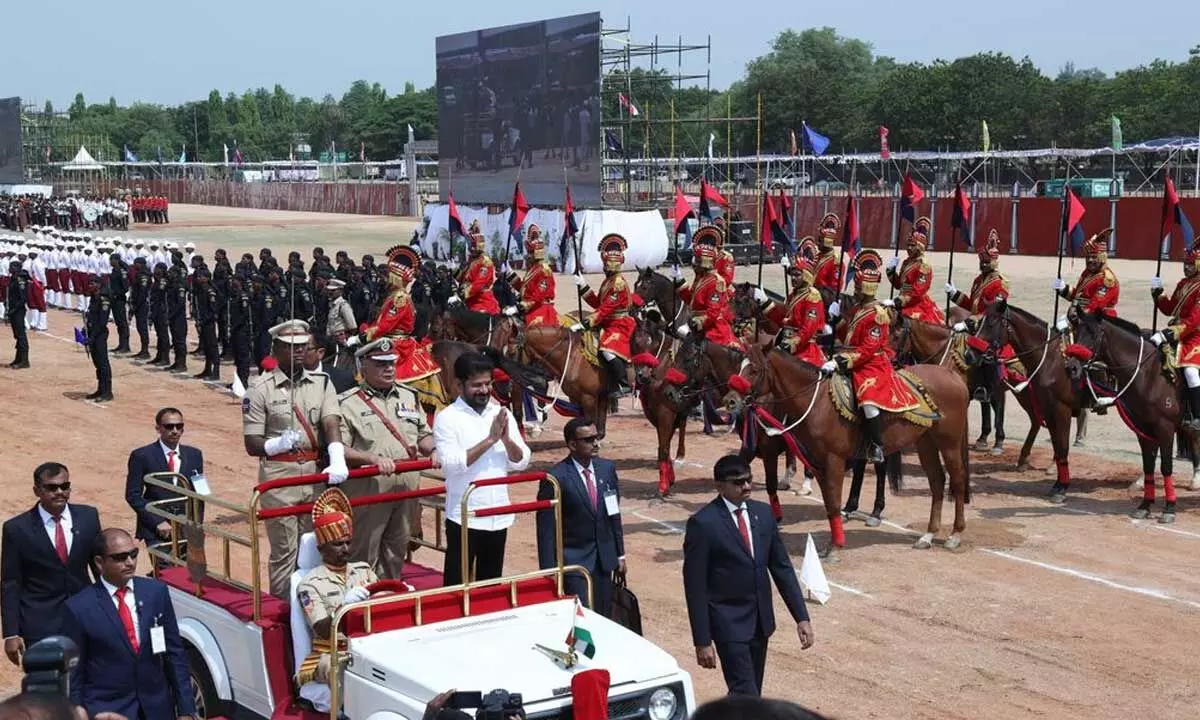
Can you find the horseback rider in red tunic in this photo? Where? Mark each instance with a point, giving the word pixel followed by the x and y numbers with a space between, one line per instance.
pixel 803 317
pixel 825 270
pixel 989 286
pixel 913 279
pixel 397 318
pixel 537 287
pixel 1098 288
pixel 1183 307
pixel 868 356
pixel 724 264
pixel 478 276
pixel 613 304
pixel 709 296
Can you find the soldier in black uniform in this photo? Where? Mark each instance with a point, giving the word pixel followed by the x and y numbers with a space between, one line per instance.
pixel 222 272
pixel 241 326
pixel 160 315
pixel 17 303
pixel 246 266
pixel 139 306
pixel 118 291
pixel 303 294
pixel 97 340
pixel 177 302
pixel 265 312
pixel 321 277
pixel 206 320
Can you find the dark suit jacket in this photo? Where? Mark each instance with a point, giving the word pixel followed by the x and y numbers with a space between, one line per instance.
pixel 343 380
pixel 728 592
pixel 151 459
pixel 591 537
pixel 35 582
pixel 109 677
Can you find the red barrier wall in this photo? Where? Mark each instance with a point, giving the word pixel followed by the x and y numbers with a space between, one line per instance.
pixel 374 198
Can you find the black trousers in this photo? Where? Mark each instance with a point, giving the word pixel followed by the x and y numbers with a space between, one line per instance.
pixel 241 353
pixel 485 553
pixel 743 665
pixel 99 348
pixel 208 343
pixel 223 328
pixel 162 336
pixel 602 588
pixel 17 321
pixel 121 320
pixel 141 317
pixel 179 337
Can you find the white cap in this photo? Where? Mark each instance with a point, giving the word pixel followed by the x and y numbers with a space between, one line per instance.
pixel 293 332
pixel 190 246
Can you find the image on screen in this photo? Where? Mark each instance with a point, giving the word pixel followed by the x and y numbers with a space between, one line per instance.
pixel 12 166
pixel 521 99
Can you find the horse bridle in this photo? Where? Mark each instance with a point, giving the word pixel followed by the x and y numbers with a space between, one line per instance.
pixel 1095 363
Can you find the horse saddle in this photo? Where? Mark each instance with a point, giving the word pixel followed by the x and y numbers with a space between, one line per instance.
pixel 430 392
pixel 590 347
pixel 841 391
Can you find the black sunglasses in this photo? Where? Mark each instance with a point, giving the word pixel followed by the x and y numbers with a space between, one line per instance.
pixel 172 426
pixel 123 556
pixel 588 438
pixel 747 480
pixel 55 487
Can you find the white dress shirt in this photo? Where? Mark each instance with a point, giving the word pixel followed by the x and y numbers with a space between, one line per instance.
pixel 458 428
pixel 48 523
pixel 130 602
pixel 733 513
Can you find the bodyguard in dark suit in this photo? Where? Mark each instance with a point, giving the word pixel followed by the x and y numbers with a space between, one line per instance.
pixel 36 578
pixel 321 348
pixel 163 455
pixel 591 517
pixel 131 659
pixel 730 547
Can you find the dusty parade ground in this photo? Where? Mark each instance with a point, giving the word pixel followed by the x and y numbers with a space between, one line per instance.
pixel 1071 611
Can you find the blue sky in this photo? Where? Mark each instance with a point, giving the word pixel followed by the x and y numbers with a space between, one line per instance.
pixel 169 51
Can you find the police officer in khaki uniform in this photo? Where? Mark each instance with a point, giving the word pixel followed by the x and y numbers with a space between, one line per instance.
pixel 336 582
pixel 382 422
pixel 284 413
pixel 339 324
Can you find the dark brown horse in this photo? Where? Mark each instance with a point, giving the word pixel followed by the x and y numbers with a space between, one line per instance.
pixel 1133 380
pixel 661 302
pixel 1046 391
pixel 796 394
pixel 662 404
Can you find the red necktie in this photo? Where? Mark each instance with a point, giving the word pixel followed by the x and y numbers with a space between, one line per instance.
pixel 744 529
pixel 171 461
pixel 591 486
pixel 127 618
pixel 60 539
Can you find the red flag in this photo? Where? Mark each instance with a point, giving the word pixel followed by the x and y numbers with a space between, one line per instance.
pixel 1074 210
pixel 520 208
pixel 1170 202
pixel 683 210
pixel 910 195
pixel 770 221
pixel 709 194
pixel 455 224
pixel 884 152
pixel 961 213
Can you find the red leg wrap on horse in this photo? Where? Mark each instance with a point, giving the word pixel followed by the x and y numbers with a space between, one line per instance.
pixel 671 470
pixel 1064 471
pixel 837 530
pixel 664 476
pixel 1169 488
pixel 1148 487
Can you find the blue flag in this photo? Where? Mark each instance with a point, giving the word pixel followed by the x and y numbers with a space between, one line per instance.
pixel 816 141
pixel 129 156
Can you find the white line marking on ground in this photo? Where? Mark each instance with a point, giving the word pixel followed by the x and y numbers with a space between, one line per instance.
pixel 1090 577
pixel 847 588
pixel 1154 525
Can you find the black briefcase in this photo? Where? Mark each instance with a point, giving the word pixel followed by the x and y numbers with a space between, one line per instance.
pixel 625 609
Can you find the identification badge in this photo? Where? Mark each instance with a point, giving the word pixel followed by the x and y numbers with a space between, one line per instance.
pixel 158 640
pixel 200 485
pixel 611 504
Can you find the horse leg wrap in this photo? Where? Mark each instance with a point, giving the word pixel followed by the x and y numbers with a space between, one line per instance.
pixel 664 476
pixel 1064 472
pixel 1148 487
pixel 1169 488
pixel 837 530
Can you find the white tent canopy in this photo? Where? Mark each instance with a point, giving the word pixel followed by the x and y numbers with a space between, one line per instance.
pixel 83 161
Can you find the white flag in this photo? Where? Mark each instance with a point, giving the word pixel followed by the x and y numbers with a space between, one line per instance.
pixel 237 389
pixel 711 137
pixel 226 153
pixel 812 575
pixel 411 138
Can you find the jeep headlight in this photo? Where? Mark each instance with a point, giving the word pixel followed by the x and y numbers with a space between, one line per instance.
pixel 663 704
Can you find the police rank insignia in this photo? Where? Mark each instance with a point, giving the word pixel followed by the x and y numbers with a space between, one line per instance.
pixel 385 346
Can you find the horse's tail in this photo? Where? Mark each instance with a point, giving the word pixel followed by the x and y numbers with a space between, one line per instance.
pixel 895 470
pixel 526 375
pixel 966 461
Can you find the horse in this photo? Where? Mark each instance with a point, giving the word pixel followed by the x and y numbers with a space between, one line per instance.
pixel 785 387
pixel 1149 404
pixel 1047 391
pixel 661 403
pixel 662 303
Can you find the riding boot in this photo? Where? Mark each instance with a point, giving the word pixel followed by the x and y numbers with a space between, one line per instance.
pixel 1194 404
pixel 875 437
pixel 618 382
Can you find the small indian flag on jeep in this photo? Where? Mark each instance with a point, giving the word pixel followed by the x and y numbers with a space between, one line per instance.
pixel 579 638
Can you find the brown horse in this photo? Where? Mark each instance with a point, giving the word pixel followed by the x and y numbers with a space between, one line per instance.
pixel 1047 391
pixel 795 393
pixel 662 404
pixel 1149 404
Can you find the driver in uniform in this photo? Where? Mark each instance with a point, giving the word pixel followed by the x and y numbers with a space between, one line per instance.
pixel 334 583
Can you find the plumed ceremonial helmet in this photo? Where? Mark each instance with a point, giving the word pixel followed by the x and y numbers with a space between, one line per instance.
pixel 829 228
pixel 706 244
pixel 1096 248
pixel 332 517
pixel 535 243
pixel 612 252
pixel 990 252
pixel 403 262
pixel 920 233
pixel 868 265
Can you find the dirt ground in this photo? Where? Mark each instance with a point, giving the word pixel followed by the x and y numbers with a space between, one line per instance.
pixel 1071 611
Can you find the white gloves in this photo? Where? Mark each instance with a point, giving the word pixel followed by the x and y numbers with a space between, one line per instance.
pixel 835 309
pixel 510 310
pixel 676 273
pixel 337 470
pixel 453 299
pixel 827 330
pixel 504 269
pixel 960 327
pixel 1156 283
pixel 1058 284
pixel 1061 324
pixel 576 327
pixel 890 303
pixel 892 262
pixel 1157 338
pixel 785 262
pixel 352 341
pixel 829 366
pixel 579 281
pixel 683 330
pixel 355 594
pixel 951 291
pixel 284 443
pixel 760 295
